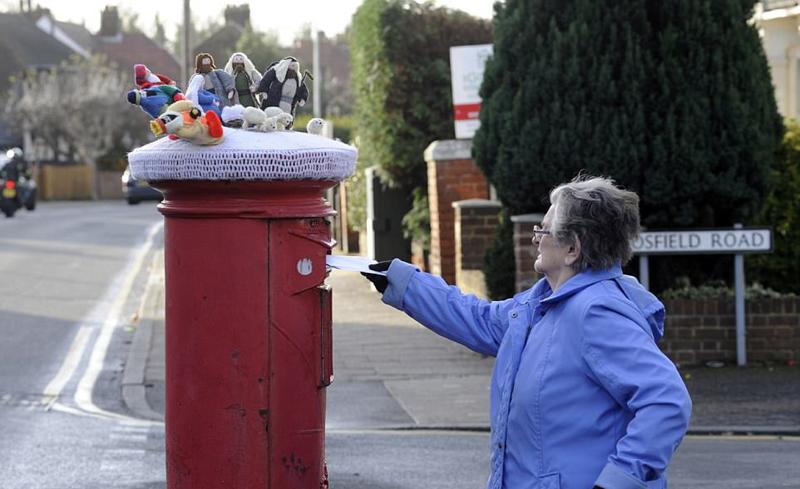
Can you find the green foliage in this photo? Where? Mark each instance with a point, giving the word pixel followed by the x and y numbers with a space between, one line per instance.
pixel 673 99
pixel 417 222
pixel 718 290
pixel 357 195
pixel 401 82
pixel 781 269
pixel 499 266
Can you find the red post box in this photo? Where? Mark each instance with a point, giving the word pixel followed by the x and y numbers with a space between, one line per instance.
pixel 248 313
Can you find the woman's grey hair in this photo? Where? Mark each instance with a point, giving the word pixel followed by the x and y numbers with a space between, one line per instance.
pixel 604 217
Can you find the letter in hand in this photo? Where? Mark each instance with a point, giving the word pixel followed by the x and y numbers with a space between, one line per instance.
pixel 380 281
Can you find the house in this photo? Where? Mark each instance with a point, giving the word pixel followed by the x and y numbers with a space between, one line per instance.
pixel 24 46
pixel 779 26
pixel 75 36
pixel 126 49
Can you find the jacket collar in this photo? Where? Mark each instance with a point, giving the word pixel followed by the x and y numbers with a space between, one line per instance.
pixel 541 291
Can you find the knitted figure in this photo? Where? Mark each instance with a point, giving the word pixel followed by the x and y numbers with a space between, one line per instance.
pixel 201 97
pixel 144 78
pixel 246 79
pixel 214 81
pixel 182 120
pixel 155 99
pixel 283 86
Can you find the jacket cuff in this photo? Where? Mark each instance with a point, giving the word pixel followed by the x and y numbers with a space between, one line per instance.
pixel 399 275
pixel 613 477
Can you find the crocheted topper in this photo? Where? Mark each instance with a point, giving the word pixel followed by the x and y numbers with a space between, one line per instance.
pixel 246 155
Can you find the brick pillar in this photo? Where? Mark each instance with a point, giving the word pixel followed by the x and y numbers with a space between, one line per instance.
pixel 452 176
pixel 524 251
pixel 475 224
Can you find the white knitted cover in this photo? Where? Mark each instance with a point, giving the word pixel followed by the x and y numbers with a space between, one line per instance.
pixel 246 155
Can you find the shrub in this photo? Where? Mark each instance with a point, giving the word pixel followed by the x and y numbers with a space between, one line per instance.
pixel 781 269
pixel 401 83
pixel 499 263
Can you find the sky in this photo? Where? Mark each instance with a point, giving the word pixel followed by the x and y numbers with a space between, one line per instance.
pixel 286 17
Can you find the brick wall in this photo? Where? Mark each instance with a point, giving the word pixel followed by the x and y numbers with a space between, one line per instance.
pixel 524 251
pixel 475 224
pixel 452 176
pixel 697 331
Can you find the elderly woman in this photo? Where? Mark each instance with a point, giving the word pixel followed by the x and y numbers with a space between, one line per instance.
pixel 581 396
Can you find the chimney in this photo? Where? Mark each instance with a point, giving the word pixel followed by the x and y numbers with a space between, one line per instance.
pixel 110 25
pixel 237 14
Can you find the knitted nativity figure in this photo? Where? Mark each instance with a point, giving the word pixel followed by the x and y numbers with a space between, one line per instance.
pixel 215 82
pixel 283 86
pixel 246 79
pixel 154 91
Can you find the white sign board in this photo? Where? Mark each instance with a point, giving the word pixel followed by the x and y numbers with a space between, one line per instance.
pixel 466 73
pixel 707 241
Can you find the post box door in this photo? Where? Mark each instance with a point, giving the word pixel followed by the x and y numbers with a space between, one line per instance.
pixel 300 349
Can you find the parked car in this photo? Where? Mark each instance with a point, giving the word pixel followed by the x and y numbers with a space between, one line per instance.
pixel 136 191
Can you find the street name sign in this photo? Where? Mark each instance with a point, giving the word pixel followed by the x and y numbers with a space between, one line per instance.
pixel 704 241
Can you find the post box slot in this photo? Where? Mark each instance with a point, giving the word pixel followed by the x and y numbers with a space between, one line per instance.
pixel 326 336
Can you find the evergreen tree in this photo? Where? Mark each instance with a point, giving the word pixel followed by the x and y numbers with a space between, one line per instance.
pixel 160 36
pixel 673 99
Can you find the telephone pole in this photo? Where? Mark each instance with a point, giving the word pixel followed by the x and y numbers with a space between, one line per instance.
pixel 186 61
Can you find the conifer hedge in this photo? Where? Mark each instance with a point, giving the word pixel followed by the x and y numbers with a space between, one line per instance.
pixel 673 99
pixel 401 82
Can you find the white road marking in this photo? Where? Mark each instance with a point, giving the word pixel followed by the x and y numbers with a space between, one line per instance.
pixel 83 394
pixel 73 358
pixel 118 292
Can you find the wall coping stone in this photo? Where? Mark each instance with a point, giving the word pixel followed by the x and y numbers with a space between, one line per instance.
pixel 524 218
pixel 449 149
pixel 461 204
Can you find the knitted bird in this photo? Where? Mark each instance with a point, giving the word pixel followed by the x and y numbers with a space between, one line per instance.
pixel 182 120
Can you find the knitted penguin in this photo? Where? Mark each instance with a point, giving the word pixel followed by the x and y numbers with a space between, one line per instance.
pixel 283 86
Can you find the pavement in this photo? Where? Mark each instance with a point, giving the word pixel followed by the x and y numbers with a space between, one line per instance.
pixel 391 373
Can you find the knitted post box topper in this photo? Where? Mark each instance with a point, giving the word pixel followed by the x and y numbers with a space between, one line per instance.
pixel 182 120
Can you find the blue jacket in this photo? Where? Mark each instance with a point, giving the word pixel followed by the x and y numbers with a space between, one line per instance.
pixel 580 394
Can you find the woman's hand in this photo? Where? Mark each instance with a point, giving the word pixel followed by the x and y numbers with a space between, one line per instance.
pixel 380 281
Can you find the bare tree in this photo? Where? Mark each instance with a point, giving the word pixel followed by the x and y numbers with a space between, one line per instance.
pixel 80 106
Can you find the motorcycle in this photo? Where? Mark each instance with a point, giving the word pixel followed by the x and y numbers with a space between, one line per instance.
pixel 9 200
pixel 17 186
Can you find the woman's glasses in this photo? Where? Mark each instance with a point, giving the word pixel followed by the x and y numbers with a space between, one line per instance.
pixel 539 232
